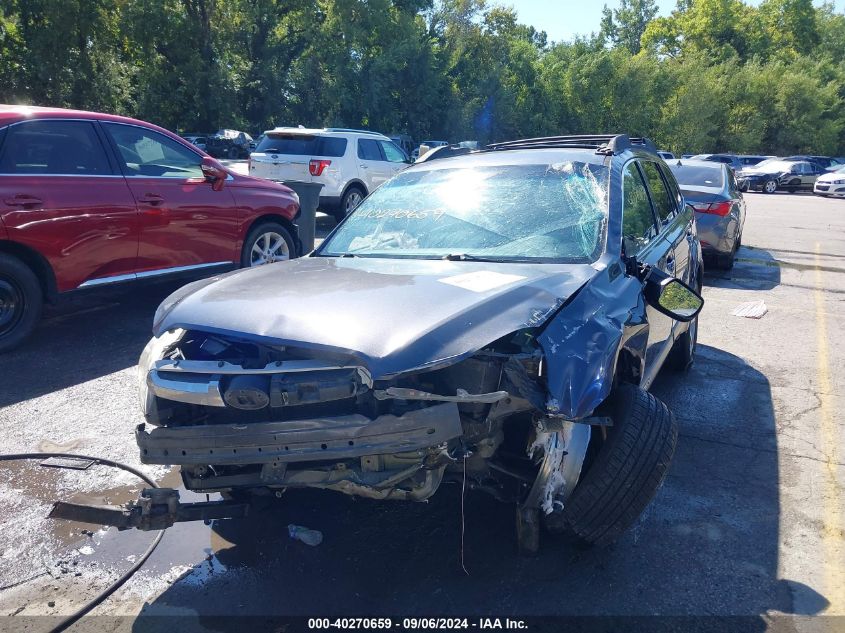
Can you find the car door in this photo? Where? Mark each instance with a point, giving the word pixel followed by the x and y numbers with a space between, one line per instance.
pixel 62 195
pixel 641 237
pixel 373 169
pixel 396 159
pixel 184 222
pixel 811 173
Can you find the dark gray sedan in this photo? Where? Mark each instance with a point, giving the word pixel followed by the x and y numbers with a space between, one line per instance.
pixel 712 190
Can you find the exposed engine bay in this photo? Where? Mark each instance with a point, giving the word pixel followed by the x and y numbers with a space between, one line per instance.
pixel 242 416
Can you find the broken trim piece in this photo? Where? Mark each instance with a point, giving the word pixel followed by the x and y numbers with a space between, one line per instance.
pixel 190 389
pixel 462 395
pixel 560 470
pixel 278 367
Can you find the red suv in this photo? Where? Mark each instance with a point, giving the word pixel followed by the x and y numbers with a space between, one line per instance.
pixel 89 199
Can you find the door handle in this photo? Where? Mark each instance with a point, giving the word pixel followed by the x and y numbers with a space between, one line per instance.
pixel 363 167
pixel 23 200
pixel 152 199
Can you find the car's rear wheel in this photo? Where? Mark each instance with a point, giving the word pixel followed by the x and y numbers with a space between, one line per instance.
pixel 770 186
pixel 267 243
pixel 21 301
pixel 233 153
pixel 629 468
pixel 352 197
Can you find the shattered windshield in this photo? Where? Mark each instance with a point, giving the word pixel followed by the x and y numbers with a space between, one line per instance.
pixel 506 212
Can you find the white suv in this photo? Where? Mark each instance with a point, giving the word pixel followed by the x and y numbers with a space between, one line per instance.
pixel 348 163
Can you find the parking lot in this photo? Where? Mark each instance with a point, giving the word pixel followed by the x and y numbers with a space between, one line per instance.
pixel 750 522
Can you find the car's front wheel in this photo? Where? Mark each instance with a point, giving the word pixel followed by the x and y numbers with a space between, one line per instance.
pixel 627 471
pixel 267 243
pixel 21 300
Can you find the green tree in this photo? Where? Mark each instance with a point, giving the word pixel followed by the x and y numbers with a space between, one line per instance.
pixel 626 25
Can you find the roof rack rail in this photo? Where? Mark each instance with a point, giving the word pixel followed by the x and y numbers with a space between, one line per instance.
pixel 349 129
pixel 607 144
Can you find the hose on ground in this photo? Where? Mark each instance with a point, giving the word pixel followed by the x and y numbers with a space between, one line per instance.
pixel 99 598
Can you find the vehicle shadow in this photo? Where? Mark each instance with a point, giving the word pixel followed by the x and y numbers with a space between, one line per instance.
pixel 753 269
pixel 87 335
pixel 707 546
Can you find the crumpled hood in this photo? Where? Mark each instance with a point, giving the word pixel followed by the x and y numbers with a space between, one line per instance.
pixel 393 315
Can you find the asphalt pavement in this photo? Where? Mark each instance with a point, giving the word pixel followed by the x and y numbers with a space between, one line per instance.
pixel 750 521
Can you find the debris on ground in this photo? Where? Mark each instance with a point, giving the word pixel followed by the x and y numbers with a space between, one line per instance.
pixel 309 537
pixel 751 309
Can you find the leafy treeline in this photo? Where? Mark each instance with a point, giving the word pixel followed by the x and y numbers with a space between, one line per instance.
pixel 714 75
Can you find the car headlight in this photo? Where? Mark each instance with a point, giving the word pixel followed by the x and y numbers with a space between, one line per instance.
pixel 837 182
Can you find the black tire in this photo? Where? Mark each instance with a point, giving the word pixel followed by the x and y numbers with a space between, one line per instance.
pixel 233 153
pixel 21 300
pixel 770 186
pixel 725 261
pixel 265 228
pixel 682 355
pixel 628 470
pixel 351 198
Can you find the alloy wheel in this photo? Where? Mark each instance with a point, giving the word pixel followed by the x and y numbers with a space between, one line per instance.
pixel 269 247
pixel 771 186
pixel 352 200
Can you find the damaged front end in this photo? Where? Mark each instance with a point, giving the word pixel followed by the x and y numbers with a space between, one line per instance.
pixel 243 416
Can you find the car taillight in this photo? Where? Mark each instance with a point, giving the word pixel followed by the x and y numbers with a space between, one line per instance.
pixel 316 166
pixel 715 208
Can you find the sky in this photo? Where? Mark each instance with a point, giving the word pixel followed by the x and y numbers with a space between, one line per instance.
pixel 563 19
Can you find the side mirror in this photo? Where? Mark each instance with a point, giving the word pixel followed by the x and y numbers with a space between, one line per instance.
pixel 672 296
pixel 214 172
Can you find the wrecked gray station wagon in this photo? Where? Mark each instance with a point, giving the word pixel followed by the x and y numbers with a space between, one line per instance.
pixel 496 314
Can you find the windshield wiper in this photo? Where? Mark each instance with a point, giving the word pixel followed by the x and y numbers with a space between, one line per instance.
pixel 466 257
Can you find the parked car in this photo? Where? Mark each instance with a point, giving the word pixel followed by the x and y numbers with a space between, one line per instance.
pixel 88 199
pixel 779 173
pixel 749 160
pixel 665 155
pixel 732 160
pixel 230 144
pixel 196 140
pixel 404 141
pixel 556 282
pixel 712 190
pixel 831 184
pixel 348 163
pixel 826 162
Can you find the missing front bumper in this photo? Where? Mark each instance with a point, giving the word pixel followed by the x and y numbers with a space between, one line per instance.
pixel 337 438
